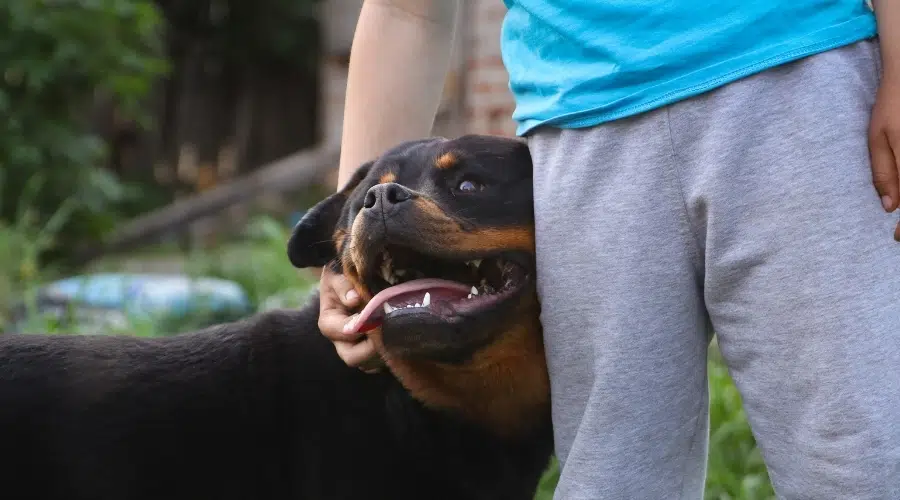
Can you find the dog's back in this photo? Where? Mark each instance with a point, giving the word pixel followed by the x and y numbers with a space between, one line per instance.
pixel 257 409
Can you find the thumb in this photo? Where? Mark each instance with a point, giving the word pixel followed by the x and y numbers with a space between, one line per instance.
pixel 884 170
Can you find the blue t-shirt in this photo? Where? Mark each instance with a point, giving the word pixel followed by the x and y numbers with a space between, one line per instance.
pixel 577 63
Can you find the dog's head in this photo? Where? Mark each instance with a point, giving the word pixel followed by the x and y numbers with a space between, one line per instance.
pixel 437 236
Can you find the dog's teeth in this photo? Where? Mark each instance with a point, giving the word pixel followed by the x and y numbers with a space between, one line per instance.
pixel 388 308
pixel 426 300
pixel 386 272
pixel 418 305
pixel 470 296
pixel 474 291
pixel 474 263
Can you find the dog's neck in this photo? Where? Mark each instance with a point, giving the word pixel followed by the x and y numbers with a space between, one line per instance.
pixel 504 387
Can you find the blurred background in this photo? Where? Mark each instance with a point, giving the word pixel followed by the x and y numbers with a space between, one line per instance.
pixel 154 155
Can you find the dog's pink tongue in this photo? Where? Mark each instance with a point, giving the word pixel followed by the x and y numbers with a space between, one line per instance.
pixel 371 315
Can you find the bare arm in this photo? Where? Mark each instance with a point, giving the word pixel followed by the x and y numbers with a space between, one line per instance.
pixel 398 64
pixel 884 128
pixel 888 14
pixel 399 60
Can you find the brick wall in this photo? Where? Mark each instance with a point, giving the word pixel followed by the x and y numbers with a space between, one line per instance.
pixel 476 93
pixel 488 102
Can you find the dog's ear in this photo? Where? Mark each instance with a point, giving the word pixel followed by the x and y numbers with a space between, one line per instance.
pixel 311 243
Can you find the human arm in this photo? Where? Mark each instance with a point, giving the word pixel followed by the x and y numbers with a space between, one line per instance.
pixel 398 64
pixel 884 127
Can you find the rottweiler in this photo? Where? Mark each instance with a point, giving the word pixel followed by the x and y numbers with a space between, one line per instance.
pixel 437 236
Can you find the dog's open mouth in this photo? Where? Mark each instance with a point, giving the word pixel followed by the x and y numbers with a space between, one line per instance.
pixel 407 282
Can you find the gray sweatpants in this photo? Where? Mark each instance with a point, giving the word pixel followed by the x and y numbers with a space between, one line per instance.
pixel 748 211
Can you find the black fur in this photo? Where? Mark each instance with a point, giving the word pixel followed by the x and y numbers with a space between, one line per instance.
pixel 257 409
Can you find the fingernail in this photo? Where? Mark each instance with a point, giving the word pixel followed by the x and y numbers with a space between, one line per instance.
pixel 352 295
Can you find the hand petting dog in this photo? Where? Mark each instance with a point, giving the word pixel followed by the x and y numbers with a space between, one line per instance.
pixel 338 297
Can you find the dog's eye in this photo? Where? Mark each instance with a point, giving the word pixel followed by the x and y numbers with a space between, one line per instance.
pixel 468 186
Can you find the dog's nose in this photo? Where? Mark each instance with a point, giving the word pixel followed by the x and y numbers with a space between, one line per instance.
pixel 385 196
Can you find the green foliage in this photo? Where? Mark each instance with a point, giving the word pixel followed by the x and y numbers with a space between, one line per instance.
pixel 259 264
pixel 56 57
pixel 736 470
pixel 22 240
pixel 547 485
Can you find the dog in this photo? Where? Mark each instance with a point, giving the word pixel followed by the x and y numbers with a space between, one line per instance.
pixel 437 237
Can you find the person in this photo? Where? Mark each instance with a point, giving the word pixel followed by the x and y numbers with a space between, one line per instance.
pixel 728 167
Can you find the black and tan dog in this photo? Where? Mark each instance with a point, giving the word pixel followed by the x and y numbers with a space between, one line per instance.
pixel 437 236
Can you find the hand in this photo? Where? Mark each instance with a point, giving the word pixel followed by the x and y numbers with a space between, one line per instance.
pixel 336 298
pixel 884 145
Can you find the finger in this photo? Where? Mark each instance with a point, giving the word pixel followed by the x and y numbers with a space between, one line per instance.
pixel 355 354
pixel 333 312
pixel 333 325
pixel 884 170
pixel 342 288
pixel 894 142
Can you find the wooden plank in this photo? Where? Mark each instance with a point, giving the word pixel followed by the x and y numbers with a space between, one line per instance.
pixel 288 174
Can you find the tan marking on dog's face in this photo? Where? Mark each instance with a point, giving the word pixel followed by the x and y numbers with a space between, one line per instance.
pixel 387 178
pixel 339 236
pixel 353 260
pixel 504 386
pixel 477 240
pixel 486 240
pixel 446 160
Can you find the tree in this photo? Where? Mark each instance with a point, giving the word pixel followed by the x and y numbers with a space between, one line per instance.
pixel 56 58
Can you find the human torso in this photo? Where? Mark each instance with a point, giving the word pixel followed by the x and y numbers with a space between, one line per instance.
pixel 575 63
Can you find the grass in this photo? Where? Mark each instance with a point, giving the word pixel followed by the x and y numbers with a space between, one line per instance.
pixel 258 263
pixel 735 469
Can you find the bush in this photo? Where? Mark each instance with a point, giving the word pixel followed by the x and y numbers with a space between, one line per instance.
pixel 56 58
pixel 736 470
pixel 259 264
pixel 22 240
